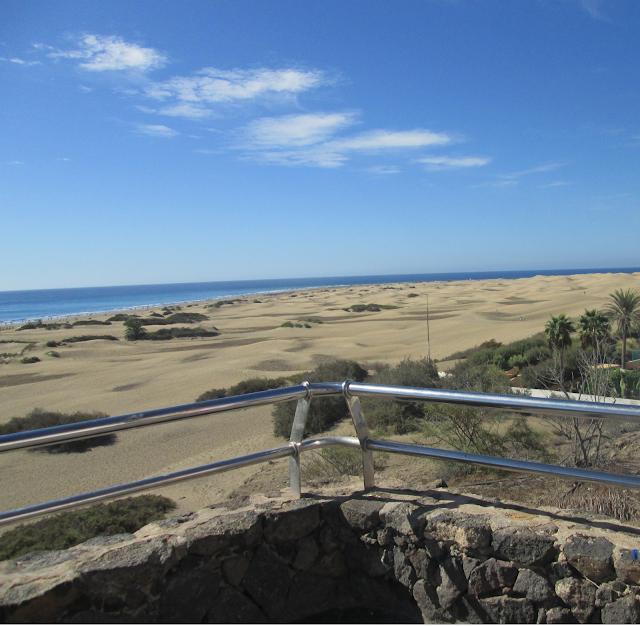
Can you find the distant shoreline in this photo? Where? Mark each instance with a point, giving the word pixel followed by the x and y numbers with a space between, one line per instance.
pixel 54 304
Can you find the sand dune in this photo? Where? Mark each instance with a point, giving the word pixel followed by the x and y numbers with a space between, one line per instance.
pixel 120 377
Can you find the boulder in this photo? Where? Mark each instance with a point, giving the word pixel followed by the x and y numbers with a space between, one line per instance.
pixel 626 610
pixel 524 547
pixel 591 556
pixel 534 586
pixel 468 531
pixel 294 520
pixel 362 515
pixel 492 576
pixel 505 610
pixel 579 595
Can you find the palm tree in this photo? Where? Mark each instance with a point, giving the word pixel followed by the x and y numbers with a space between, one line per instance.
pixel 594 327
pixel 558 331
pixel 134 329
pixel 623 308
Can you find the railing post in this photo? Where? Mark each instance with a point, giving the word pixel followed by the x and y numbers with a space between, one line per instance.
pixel 297 432
pixel 363 433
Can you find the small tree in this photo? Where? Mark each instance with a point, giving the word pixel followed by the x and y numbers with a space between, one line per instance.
pixel 594 328
pixel 624 309
pixel 134 329
pixel 558 331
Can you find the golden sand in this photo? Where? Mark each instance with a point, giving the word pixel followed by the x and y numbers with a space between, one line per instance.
pixel 119 377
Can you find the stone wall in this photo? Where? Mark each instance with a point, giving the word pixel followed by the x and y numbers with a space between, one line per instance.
pixel 396 555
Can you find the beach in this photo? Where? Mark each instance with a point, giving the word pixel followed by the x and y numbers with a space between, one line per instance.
pixel 121 377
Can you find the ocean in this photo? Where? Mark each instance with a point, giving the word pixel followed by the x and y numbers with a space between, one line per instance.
pixel 18 306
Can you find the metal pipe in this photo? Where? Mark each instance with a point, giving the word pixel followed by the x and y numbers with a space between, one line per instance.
pixel 555 471
pixel 92 428
pixel 518 404
pixel 94 497
pixel 325 442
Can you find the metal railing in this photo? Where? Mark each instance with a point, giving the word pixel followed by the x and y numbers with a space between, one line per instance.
pixel 303 394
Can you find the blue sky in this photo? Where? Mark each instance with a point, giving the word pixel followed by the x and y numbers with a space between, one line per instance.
pixel 158 142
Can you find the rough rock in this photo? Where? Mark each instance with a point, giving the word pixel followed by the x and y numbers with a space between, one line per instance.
pixel 591 556
pixel 293 521
pixel 452 582
pixel 427 599
pixel 505 610
pixel 402 519
pixel 468 531
pixel 362 515
pixel 233 607
pixel 524 547
pixel 219 533
pixel 580 595
pixel 627 570
pixel 188 596
pixel 491 576
pixel 403 569
pixel 267 582
pixel 534 586
pixel 559 615
pixel 626 610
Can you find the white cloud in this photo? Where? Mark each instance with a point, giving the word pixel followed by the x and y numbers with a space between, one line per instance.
pixel 100 53
pixel 26 63
pixel 442 163
pixel 157 130
pixel 296 130
pixel 15 163
pixel 193 96
pixel 535 170
pixel 383 139
pixel 557 183
pixel 384 169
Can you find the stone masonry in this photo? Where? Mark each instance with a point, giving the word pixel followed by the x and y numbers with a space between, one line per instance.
pixel 395 554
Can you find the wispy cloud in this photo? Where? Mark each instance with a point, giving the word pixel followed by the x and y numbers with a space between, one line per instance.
pixel 296 130
pixel 15 163
pixel 193 96
pixel 384 169
pixel 557 183
pixel 157 130
pixel 592 7
pixel 99 54
pixel 535 170
pixel 310 140
pixel 22 62
pixel 448 163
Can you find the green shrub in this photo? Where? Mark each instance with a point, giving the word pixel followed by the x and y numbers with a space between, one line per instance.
pixel 29 359
pixel 412 295
pixel 119 317
pixel 307 325
pixel 286 325
pixel 51 344
pixel 68 529
pixel 169 333
pixel 393 416
pixel 89 338
pixel 361 308
pixel 298 325
pixel 251 385
pixel 53 353
pixel 323 412
pixel 91 323
pixel 29 326
pixel 257 301
pixel 154 314
pixel 174 318
pixel 39 418
pixel 312 320
pixel 218 303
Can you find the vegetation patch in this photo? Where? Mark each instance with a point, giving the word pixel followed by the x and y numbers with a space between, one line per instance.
pixel 412 295
pixel 39 418
pixel 120 317
pixel 53 353
pixel 91 323
pixel 323 412
pixel 165 334
pixel 312 320
pixel 174 318
pixel 361 308
pixel 29 359
pixel 218 303
pixel 68 529
pixel 51 344
pixel 89 338
pixel 252 385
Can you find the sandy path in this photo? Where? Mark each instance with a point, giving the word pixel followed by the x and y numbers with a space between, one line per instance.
pixel 120 377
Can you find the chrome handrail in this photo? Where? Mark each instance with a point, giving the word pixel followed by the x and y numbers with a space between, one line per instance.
pixel 304 394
